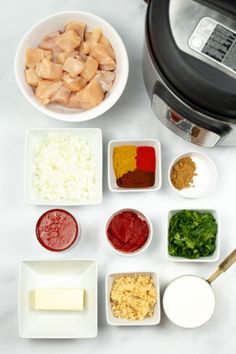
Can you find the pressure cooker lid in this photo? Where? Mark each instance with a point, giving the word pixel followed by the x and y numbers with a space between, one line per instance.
pixel 194 46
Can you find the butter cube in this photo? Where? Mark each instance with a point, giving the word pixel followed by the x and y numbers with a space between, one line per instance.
pixel 57 299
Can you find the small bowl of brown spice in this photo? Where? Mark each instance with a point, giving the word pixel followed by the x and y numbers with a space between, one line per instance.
pixel 192 175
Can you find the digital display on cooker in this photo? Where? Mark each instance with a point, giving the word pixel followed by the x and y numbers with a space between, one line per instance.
pixel 216 42
pixel 221 46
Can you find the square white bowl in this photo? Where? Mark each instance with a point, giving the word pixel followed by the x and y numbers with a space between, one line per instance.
pixel 113 321
pixel 209 259
pixel 32 137
pixel 137 142
pixel 58 274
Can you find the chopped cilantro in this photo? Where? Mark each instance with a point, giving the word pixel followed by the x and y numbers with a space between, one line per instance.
pixel 192 234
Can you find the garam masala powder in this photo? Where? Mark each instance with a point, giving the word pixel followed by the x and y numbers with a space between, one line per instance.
pixel 183 172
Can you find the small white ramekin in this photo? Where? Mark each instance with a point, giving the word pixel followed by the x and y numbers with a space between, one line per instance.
pixel 149 239
pixel 57 22
pixel 205 179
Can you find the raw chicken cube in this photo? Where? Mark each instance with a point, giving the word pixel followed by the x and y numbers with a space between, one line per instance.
pixel 75 84
pixel 33 56
pixel 68 41
pixel 84 48
pixel 46 89
pixel 111 52
pixel 61 96
pixel 89 97
pixel 78 27
pixel 31 77
pixel 96 34
pixel 103 40
pixel 87 36
pixel 107 67
pixel 73 101
pixel 83 57
pixel 105 78
pixel 91 66
pixel 61 58
pixel 48 42
pixel 48 70
pixel 73 66
pixel 102 54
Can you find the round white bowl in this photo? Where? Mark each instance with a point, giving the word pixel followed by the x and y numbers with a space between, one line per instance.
pixel 206 175
pixel 146 244
pixel 57 22
pixel 73 245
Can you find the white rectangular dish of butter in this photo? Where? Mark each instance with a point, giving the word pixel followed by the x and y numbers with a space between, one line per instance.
pixel 65 299
pixel 72 313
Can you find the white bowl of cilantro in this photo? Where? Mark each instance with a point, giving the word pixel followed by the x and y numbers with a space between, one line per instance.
pixel 193 235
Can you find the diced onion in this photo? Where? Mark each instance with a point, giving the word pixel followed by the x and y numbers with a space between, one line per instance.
pixel 64 168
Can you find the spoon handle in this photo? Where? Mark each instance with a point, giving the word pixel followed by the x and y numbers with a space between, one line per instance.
pixel 228 262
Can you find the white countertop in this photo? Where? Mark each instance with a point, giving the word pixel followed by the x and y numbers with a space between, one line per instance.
pixel 130 118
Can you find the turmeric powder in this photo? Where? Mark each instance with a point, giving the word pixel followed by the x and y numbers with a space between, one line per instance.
pixel 124 159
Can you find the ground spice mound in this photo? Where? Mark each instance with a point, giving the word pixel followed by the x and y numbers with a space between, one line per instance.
pixel 137 179
pixel 124 159
pixel 183 172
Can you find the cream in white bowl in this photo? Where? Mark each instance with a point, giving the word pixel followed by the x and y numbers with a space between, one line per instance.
pixel 57 22
pixel 189 301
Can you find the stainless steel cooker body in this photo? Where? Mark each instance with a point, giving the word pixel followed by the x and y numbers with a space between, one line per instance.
pixel 180 117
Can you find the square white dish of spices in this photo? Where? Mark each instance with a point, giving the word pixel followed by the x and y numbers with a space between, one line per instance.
pixel 63 166
pixel 134 165
pixel 133 299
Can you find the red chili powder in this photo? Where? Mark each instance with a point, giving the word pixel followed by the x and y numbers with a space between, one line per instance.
pixel 127 231
pixel 57 230
pixel 146 158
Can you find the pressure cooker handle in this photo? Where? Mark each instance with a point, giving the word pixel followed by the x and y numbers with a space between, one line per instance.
pixel 189 115
pixel 228 7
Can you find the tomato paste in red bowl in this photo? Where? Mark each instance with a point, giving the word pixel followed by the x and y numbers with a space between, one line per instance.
pixel 57 230
pixel 129 231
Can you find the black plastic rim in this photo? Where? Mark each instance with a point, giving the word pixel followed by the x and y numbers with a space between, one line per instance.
pixel 213 93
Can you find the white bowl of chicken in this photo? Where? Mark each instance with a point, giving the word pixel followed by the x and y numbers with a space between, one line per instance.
pixel 72 66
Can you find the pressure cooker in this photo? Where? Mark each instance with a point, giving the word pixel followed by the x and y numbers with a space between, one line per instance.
pixel 189 68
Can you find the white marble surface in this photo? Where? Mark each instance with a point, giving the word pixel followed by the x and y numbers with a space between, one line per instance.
pixel 132 118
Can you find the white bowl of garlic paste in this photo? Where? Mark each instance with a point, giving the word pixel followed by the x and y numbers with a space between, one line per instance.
pixel 189 301
pixel 56 22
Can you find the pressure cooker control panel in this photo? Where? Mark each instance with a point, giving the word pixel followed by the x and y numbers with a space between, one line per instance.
pixel 216 42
